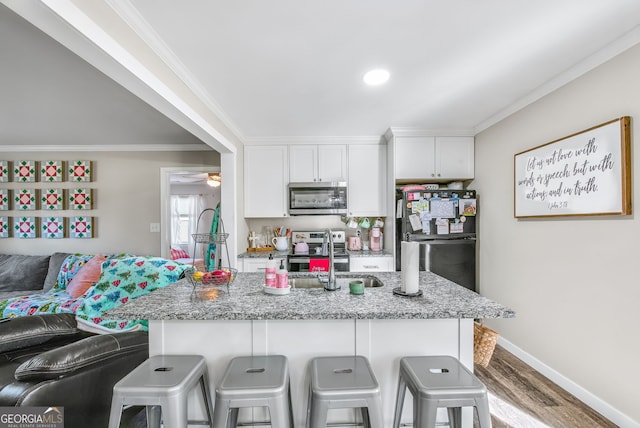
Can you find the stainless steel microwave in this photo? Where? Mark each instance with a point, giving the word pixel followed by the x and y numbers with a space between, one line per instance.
pixel 318 198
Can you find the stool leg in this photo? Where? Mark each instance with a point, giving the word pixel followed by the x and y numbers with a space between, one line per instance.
pixel 154 416
pixel 206 395
pixel 319 410
pixel 366 422
pixel 279 413
pixel 174 412
pixel 426 415
pixel 455 417
pixel 375 413
pixel 221 413
pixel 116 411
pixel 399 401
pixel 484 414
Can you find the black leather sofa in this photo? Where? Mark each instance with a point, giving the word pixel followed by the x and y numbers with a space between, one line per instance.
pixel 46 361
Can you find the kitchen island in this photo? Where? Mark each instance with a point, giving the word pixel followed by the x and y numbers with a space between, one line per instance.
pixel 306 323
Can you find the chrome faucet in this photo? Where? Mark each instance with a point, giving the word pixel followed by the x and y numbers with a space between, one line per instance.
pixel 330 284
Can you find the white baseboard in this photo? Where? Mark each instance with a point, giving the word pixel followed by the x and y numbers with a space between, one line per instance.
pixel 596 403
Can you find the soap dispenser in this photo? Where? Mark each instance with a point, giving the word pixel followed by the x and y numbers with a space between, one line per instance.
pixel 282 276
pixel 270 272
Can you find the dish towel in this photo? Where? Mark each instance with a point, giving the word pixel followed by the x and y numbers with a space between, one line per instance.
pixel 319 265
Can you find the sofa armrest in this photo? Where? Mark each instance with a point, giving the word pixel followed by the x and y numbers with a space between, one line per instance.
pixel 90 351
pixel 23 332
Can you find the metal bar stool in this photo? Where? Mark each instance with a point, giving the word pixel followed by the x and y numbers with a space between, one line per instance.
pixel 256 381
pixel 440 381
pixel 162 384
pixel 343 382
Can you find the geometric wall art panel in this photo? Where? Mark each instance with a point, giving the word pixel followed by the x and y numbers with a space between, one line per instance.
pixel 52 227
pixel 4 199
pixel 25 199
pixel 24 227
pixel 4 227
pixel 81 227
pixel 80 199
pixel 24 171
pixel 50 171
pixel 4 171
pixel 79 170
pixel 52 199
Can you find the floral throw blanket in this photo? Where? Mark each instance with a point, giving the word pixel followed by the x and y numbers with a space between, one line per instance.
pixel 122 278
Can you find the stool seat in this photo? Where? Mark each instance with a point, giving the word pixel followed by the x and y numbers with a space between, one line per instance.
pixel 162 384
pixel 343 382
pixel 255 381
pixel 440 381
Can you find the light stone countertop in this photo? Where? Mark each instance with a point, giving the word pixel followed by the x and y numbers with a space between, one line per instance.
pixel 245 300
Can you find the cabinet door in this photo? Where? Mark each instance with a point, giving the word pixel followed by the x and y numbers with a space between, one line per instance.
pixel 266 175
pixel 303 163
pixel 454 157
pixel 332 162
pixel 371 264
pixel 414 157
pixel 254 264
pixel 367 180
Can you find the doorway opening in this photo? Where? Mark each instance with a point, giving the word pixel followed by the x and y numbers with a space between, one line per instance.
pixel 184 194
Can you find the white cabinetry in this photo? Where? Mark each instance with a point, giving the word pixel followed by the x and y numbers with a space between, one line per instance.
pixel 436 158
pixel 371 264
pixel 254 264
pixel 367 180
pixel 327 162
pixel 266 175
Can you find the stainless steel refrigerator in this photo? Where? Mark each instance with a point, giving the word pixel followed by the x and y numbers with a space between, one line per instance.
pixel 444 223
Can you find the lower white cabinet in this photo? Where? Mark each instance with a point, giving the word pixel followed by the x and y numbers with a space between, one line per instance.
pixel 254 265
pixel 371 264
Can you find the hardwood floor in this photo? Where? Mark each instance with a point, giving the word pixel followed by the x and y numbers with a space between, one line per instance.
pixel 520 397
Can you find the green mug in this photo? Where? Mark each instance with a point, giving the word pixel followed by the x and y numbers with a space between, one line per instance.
pixel 356 287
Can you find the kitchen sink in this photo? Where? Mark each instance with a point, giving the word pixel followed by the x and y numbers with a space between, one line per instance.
pixel 341 281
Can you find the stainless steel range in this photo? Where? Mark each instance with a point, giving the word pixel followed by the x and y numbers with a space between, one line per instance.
pixel 314 256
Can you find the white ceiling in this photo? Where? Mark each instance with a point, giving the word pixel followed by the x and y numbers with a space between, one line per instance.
pixel 292 69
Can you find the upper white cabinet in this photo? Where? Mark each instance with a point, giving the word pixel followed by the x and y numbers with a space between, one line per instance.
pixel 435 158
pixel 367 180
pixel 266 176
pixel 326 162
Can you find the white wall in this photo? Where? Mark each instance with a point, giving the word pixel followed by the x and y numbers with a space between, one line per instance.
pixel 573 281
pixel 126 200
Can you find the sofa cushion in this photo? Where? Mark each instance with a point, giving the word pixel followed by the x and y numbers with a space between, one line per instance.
pixel 86 276
pixel 21 272
pixel 23 332
pixel 55 263
pixel 75 356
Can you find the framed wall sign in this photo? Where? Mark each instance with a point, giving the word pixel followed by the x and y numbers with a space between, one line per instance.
pixel 587 173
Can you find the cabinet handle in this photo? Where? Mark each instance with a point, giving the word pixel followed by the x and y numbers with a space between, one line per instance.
pixel 438 175
pixel 371 266
pixel 433 175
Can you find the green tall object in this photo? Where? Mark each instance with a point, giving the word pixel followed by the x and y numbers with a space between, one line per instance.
pixel 210 261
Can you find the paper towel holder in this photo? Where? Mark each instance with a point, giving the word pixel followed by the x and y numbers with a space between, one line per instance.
pixel 398 291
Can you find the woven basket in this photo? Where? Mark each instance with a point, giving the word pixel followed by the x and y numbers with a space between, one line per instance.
pixel 484 343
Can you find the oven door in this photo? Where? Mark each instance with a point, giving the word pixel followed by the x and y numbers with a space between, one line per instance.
pixel 303 263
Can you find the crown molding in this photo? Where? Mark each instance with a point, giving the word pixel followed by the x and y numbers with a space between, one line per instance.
pixel 416 132
pixel 132 17
pixel 106 148
pixel 363 139
pixel 605 54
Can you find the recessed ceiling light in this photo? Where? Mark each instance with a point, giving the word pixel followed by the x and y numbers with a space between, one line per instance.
pixel 376 77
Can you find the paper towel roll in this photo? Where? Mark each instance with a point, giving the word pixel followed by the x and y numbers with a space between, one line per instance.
pixel 410 266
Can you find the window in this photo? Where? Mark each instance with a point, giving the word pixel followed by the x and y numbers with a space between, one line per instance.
pixel 184 214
